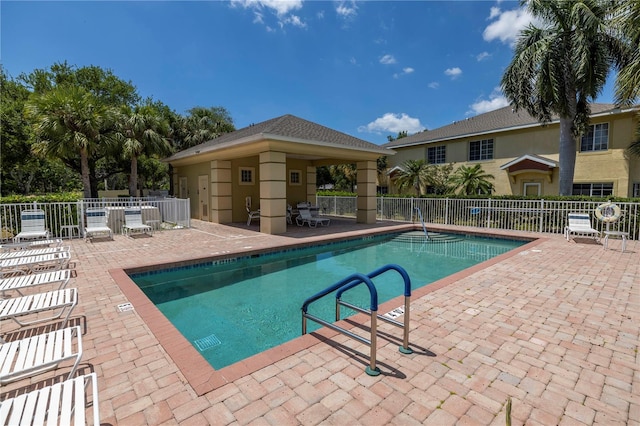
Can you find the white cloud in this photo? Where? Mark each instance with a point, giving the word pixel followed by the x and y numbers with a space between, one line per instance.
pixel 387 60
pixel 347 9
pixel 353 61
pixel 393 123
pixel 453 72
pixel 508 25
pixel 320 15
pixel 405 71
pixel 433 85
pixel 496 100
pixel 282 9
pixel 482 56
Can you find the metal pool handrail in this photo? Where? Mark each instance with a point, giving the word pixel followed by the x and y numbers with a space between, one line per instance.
pixel 353 280
pixel 405 349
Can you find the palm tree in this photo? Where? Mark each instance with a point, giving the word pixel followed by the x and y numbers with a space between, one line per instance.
pixel 414 175
pixel 560 67
pixel 141 131
pixel 69 121
pixel 627 22
pixel 471 180
pixel 344 176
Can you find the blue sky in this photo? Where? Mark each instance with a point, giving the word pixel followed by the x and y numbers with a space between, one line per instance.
pixel 366 68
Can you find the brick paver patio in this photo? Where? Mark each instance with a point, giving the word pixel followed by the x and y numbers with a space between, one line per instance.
pixel 554 326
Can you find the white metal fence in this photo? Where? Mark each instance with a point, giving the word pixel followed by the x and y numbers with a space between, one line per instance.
pixel 66 219
pixel 522 215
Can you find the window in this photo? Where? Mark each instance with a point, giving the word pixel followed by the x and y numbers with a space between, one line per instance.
pixel 436 154
pixel 636 190
pixel 596 139
pixel 295 177
pixel 481 150
pixel 246 175
pixel 593 189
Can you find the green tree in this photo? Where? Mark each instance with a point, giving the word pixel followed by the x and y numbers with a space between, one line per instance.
pixel 201 125
pixel 561 66
pixel 627 24
pixel 344 176
pixel 471 180
pixel 439 178
pixel 402 134
pixel 414 175
pixel 68 120
pixel 140 131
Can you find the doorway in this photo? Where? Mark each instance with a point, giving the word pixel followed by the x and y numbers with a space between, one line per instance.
pixel 203 196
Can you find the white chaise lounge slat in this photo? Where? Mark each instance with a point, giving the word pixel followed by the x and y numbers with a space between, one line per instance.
pixel 133 222
pixel 31 244
pixel 59 260
pixel 32 225
pixel 580 224
pixel 16 307
pixel 97 224
pixel 21 283
pixel 32 252
pixel 40 353
pixel 62 403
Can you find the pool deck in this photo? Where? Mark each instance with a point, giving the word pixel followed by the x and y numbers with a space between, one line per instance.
pixel 554 326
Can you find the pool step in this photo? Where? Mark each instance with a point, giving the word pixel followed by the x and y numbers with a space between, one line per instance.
pixel 434 237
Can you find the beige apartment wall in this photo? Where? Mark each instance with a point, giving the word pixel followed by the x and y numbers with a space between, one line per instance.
pixel 591 167
pixel 297 193
pixel 240 192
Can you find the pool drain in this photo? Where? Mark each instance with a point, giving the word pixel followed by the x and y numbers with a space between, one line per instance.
pixel 207 342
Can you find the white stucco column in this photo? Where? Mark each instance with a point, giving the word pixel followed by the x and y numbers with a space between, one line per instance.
pixel 221 201
pixel 366 192
pixel 273 192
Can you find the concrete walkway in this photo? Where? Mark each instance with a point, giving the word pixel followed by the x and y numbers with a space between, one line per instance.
pixel 554 327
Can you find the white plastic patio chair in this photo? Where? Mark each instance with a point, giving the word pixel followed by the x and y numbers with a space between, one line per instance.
pixel 304 216
pixel 40 353
pixel 62 403
pixel 133 222
pixel 15 308
pixel 21 283
pixel 32 225
pixel 97 224
pixel 253 214
pixel 580 224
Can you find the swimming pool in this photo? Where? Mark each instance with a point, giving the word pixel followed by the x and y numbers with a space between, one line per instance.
pixel 234 308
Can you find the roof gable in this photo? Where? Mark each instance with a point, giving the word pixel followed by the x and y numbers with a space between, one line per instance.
pixel 285 128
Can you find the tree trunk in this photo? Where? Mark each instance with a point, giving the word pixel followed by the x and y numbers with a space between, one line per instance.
pixel 84 167
pixel 133 177
pixel 567 157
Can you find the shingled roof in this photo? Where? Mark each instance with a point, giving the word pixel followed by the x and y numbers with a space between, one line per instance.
pixel 502 119
pixel 284 128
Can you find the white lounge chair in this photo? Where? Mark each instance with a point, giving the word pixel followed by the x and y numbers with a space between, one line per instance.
pixel 62 403
pixel 21 282
pixel 133 222
pixel 31 264
pixel 97 224
pixel 32 252
pixel 304 216
pixel 16 307
pixel 32 225
pixel 28 245
pixel 253 214
pixel 580 224
pixel 40 353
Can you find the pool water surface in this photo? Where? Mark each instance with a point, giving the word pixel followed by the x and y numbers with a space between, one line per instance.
pixel 235 308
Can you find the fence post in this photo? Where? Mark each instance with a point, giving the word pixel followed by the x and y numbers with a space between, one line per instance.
pixel 446 211
pixel 541 215
pixel 412 215
pixel 489 213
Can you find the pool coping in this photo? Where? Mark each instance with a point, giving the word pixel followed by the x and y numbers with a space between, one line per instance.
pixel 204 378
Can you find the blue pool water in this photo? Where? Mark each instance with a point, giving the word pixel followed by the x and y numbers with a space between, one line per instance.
pixel 236 308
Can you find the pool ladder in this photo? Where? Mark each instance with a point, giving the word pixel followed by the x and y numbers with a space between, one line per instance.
pixel 350 282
